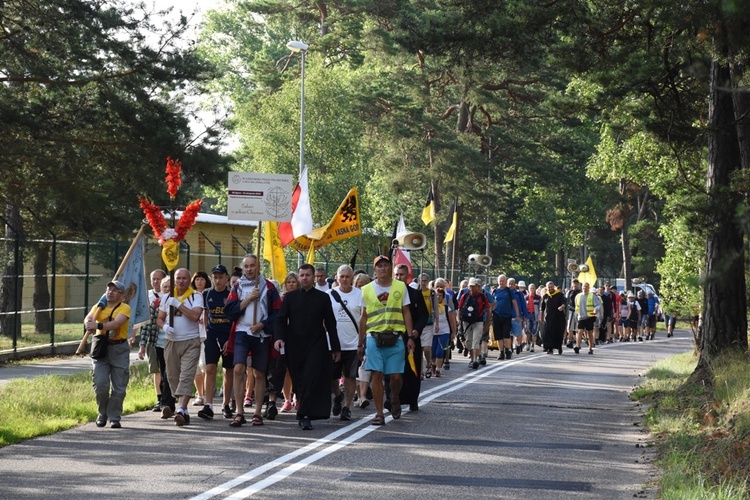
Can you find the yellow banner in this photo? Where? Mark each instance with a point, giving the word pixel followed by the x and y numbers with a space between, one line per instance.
pixel 273 252
pixel 170 254
pixel 344 224
pixel 589 276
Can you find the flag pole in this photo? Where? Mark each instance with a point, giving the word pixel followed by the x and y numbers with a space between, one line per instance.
pixel 120 269
pixel 260 262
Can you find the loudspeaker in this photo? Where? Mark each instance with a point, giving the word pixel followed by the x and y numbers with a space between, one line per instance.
pixel 476 259
pixel 411 241
pixel 573 267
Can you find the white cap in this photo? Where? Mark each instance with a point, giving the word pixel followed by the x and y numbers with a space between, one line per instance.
pixel 630 295
pixel 522 284
pixel 473 282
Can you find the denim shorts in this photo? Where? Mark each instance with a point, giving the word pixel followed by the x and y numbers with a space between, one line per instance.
pixel 386 360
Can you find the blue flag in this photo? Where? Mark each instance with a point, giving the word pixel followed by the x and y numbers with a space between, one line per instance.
pixel 133 276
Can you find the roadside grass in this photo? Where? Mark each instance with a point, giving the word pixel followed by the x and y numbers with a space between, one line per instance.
pixel 702 433
pixel 52 403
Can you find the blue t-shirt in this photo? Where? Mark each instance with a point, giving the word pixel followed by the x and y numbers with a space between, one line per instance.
pixel 520 301
pixel 216 321
pixel 652 301
pixel 503 302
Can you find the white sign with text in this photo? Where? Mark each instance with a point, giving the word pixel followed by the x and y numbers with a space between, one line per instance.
pixel 259 197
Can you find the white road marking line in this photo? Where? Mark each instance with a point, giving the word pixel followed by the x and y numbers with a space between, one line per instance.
pixel 425 398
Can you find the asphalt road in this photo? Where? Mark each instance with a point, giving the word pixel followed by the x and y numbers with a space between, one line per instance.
pixel 539 426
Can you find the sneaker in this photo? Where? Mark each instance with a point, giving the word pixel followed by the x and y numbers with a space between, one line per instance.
pixel 447 365
pixel 519 348
pixel 437 373
pixel 364 403
pixel 508 353
pixel 157 407
pixel 640 339
pixel 577 349
pixel 591 351
pixel 271 411
pixel 471 364
pixel 286 407
pixel 501 356
pixel 528 346
pixel 337 405
pixel 226 410
pixel 532 348
pixel 569 345
pixel 206 413
pixel 199 401
pixel 483 360
pixel 475 365
pixel 346 413
pixel 181 419
pixel 248 402
pixel 166 412
pixel 233 405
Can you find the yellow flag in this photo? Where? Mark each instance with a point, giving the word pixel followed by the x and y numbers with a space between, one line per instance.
pixel 590 275
pixel 170 254
pixel 428 212
pixel 273 252
pixel 453 221
pixel 344 224
pixel 311 256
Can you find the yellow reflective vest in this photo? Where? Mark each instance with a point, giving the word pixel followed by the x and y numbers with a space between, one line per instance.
pixel 388 317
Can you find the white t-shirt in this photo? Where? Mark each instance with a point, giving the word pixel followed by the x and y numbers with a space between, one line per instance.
pixel 184 328
pixel 443 325
pixel 323 288
pixel 348 335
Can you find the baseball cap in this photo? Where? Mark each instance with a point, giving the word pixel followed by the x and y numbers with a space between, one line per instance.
pixel 473 282
pixel 522 284
pixel 118 285
pixel 220 269
pixel 630 295
pixel 381 258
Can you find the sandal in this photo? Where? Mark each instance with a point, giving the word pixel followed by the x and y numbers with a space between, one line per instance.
pixel 257 420
pixel 238 420
pixel 395 408
pixel 378 420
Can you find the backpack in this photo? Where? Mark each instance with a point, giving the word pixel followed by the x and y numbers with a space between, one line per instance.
pixel 470 309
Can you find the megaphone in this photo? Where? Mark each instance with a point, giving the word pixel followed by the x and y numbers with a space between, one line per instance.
pixel 411 241
pixel 573 267
pixel 584 268
pixel 476 259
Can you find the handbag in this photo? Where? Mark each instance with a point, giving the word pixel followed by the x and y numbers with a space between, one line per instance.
pixel 99 346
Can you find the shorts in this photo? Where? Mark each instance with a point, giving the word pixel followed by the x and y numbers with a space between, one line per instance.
pixel 245 344
pixel 652 320
pixel 501 327
pixel 587 324
pixel 516 327
pixel 426 337
pixel 346 366
pixel 532 326
pixel 440 344
pixel 572 321
pixel 632 323
pixel 153 359
pixel 214 342
pixel 671 321
pixel 644 319
pixel 387 360
pixel 473 333
pixel 623 322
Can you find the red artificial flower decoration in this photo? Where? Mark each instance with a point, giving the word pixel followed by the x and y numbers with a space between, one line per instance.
pixel 187 219
pixel 174 169
pixel 154 215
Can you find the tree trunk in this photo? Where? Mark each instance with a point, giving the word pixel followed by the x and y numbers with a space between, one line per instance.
pixel 625 240
pixel 42 317
pixel 11 286
pixel 724 303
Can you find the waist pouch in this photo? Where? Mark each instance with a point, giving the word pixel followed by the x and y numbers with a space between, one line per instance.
pixel 386 339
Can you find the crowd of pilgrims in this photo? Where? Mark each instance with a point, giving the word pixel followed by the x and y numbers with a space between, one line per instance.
pixel 467 323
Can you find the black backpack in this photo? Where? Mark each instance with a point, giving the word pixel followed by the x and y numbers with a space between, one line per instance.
pixel 470 309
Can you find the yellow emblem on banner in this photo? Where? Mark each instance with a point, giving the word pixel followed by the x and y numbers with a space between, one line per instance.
pixel 344 224
pixel 170 254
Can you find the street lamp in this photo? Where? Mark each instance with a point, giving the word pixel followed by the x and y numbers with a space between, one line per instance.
pixel 297 46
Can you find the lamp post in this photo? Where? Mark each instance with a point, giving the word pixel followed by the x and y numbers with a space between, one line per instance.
pixel 297 46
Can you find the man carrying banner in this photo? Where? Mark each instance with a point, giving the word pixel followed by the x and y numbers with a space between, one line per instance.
pixel 113 368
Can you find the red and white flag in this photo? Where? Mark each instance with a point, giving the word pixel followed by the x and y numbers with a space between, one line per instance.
pixel 302 222
pixel 400 258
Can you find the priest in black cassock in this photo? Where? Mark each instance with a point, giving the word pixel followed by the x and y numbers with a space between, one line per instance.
pixel 553 312
pixel 305 319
